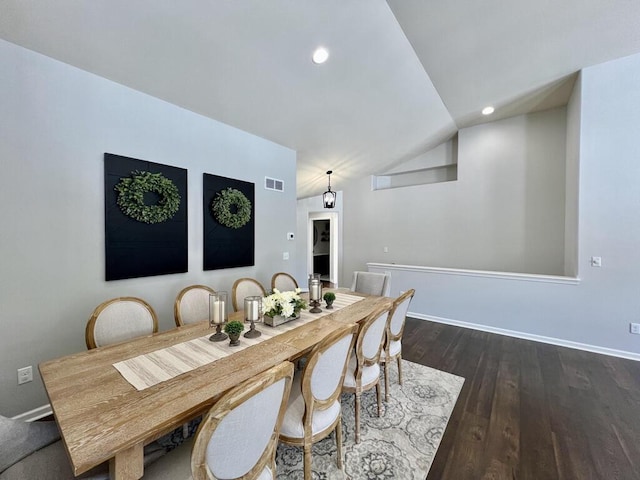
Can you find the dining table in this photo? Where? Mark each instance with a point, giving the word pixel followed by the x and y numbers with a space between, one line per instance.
pixel 103 417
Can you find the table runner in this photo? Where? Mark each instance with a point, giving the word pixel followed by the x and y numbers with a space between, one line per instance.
pixel 149 369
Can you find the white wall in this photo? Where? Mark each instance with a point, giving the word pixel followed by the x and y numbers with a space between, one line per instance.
pixel 444 154
pixel 505 212
pixel 56 122
pixel 572 181
pixel 595 311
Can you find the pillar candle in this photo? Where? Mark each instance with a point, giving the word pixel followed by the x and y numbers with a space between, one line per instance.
pixel 254 310
pixel 315 292
pixel 216 311
pixel 221 311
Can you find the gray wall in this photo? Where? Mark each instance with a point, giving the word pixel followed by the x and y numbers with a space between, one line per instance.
pixel 593 312
pixel 56 122
pixel 505 212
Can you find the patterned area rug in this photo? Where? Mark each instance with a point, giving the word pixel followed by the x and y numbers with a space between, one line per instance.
pixel 400 445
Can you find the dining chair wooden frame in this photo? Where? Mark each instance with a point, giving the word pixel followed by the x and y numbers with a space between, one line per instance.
pixel 177 311
pixel 89 333
pixel 393 342
pixel 234 301
pixel 231 400
pixel 287 277
pixel 373 328
pixel 312 404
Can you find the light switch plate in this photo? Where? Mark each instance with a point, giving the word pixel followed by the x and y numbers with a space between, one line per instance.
pixel 25 375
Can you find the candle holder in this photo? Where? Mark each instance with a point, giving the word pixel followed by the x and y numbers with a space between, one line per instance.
pixel 316 307
pixel 218 315
pixel 315 292
pixel 253 314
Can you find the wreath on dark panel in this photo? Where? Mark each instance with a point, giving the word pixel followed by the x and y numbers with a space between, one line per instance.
pixel 231 208
pixel 131 192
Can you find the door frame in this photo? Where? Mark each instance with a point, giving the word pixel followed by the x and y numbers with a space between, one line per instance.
pixel 333 243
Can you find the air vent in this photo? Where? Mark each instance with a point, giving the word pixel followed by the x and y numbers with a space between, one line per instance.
pixel 273 184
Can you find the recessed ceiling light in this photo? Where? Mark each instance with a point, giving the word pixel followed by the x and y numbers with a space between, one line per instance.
pixel 320 55
pixel 488 110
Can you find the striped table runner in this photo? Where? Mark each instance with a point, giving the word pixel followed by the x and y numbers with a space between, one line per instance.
pixel 149 369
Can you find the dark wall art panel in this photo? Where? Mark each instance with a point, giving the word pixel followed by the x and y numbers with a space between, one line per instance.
pixel 229 211
pixel 145 218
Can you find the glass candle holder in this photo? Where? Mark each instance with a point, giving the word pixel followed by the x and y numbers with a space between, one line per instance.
pixel 218 315
pixel 315 292
pixel 252 313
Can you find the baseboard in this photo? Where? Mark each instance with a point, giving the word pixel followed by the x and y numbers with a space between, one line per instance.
pixel 529 336
pixel 35 414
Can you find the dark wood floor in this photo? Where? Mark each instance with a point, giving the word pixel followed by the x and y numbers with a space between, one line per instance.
pixel 530 410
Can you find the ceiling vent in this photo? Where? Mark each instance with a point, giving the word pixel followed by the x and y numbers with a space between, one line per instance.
pixel 273 184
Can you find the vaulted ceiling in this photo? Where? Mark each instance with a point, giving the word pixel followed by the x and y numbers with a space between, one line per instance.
pixel 402 76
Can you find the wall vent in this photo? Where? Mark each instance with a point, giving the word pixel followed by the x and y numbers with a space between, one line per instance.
pixel 273 184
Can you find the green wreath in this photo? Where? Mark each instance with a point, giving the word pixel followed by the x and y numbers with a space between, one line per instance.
pixel 131 192
pixel 223 204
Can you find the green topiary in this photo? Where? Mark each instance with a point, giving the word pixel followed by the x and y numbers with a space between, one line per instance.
pixel 234 327
pixel 329 297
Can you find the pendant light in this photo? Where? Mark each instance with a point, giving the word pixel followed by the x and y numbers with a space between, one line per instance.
pixel 329 197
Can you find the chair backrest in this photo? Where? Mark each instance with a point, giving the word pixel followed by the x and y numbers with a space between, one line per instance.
pixel 120 319
pixel 325 369
pixel 192 304
pixel 371 283
pixel 283 282
pixel 238 437
pixel 245 287
pixel 371 336
pixel 398 315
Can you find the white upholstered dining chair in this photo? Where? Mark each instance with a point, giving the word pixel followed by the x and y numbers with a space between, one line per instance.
pixel 192 304
pixel 283 282
pixel 245 287
pixel 363 371
pixel 120 319
pixel 371 283
pixel 393 341
pixel 237 439
pixel 314 409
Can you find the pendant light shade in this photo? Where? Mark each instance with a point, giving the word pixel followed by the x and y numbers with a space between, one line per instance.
pixel 329 197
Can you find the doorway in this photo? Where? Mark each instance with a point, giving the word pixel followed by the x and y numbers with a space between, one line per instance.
pixel 323 246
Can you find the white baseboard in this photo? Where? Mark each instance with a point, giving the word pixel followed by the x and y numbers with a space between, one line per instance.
pixel 529 336
pixel 35 414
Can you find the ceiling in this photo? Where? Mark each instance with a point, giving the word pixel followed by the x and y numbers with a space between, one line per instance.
pixel 403 75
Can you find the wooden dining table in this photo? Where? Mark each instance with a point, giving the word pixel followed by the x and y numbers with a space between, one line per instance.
pixel 102 417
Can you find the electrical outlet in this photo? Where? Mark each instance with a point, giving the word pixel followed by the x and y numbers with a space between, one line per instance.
pixel 596 261
pixel 285 255
pixel 25 375
pixel 634 328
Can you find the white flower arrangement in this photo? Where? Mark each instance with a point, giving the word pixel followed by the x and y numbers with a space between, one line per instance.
pixel 285 304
